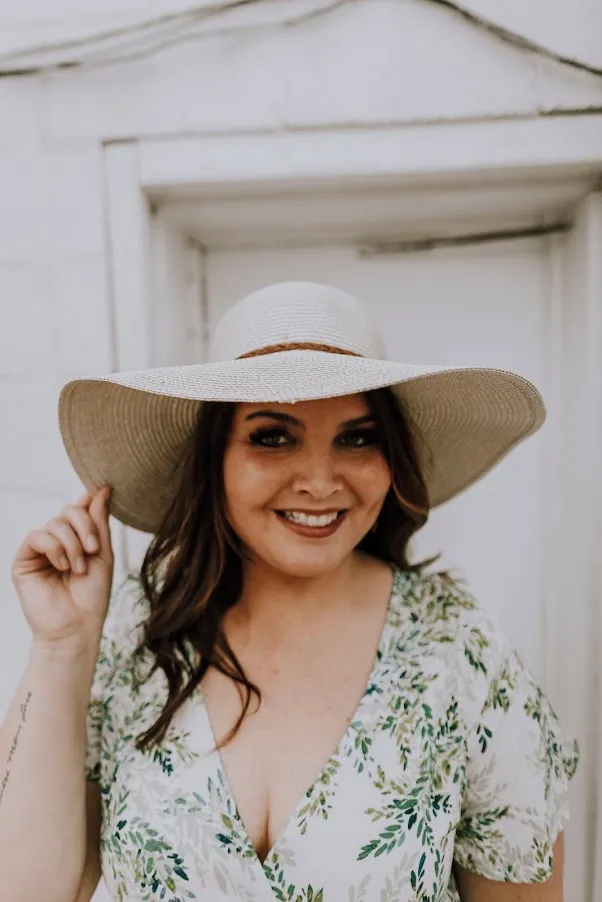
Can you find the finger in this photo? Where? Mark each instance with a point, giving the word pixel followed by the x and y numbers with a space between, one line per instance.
pixel 67 536
pixel 99 513
pixel 40 544
pixel 84 500
pixel 84 526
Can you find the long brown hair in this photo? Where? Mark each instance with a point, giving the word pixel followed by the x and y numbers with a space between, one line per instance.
pixel 192 572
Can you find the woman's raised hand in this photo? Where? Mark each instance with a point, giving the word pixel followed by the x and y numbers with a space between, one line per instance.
pixel 63 574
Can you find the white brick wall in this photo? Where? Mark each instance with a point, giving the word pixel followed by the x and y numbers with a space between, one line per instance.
pixel 27 341
pixel 20 119
pixel 81 321
pixel 379 61
pixel 22 187
pixel 59 321
pixel 32 452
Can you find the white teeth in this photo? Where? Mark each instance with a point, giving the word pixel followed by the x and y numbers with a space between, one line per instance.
pixel 310 519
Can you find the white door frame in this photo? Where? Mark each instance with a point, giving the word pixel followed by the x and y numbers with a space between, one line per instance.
pixel 157 290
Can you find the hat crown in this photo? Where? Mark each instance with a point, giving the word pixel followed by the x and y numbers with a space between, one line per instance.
pixel 296 312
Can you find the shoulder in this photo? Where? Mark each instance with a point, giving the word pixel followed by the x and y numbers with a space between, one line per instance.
pixel 439 618
pixel 123 627
pixel 444 610
pixel 128 608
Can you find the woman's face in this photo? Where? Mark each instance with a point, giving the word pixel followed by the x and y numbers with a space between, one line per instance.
pixel 287 464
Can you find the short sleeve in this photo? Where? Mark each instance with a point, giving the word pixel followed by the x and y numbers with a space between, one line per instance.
pixel 116 641
pixel 519 765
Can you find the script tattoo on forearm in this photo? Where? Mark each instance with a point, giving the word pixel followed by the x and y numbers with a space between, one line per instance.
pixel 14 746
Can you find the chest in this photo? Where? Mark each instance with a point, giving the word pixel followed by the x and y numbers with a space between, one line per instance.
pixel 292 802
pixel 284 744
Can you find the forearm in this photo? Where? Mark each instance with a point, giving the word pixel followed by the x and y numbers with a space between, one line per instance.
pixel 42 786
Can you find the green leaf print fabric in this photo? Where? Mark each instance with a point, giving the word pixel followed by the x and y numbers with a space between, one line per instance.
pixel 518 766
pixel 120 633
pixel 453 755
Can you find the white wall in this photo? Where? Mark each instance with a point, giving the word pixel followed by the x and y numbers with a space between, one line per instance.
pixel 379 62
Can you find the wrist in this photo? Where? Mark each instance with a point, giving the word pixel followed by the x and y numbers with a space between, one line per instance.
pixel 65 651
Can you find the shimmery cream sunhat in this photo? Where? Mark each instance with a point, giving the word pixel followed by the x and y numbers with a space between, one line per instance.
pixel 129 429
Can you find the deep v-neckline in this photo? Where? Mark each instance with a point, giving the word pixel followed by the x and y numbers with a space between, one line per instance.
pixel 231 810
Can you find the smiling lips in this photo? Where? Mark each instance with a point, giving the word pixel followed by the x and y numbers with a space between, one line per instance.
pixel 304 519
pixel 313 525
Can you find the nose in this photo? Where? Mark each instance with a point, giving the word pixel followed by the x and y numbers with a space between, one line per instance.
pixel 317 475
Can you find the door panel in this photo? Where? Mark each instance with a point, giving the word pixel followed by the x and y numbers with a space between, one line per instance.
pixel 470 306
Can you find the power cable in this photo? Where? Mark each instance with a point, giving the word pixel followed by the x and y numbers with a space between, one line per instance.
pixel 515 39
pixel 207 11
pixel 130 41
pixel 169 29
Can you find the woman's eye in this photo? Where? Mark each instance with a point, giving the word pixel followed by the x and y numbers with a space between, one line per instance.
pixel 269 438
pixel 360 438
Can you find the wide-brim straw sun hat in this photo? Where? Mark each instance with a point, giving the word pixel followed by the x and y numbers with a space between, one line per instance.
pixel 290 342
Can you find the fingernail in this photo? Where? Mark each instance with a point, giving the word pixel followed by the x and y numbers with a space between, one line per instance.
pixel 91 544
pixel 80 565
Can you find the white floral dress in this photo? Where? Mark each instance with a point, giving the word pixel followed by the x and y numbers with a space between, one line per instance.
pixel 454 754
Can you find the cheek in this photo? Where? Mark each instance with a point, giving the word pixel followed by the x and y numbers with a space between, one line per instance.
pixel 249 479
pixel 370 477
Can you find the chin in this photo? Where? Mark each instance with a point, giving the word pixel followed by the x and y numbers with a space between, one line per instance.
pixel 306 565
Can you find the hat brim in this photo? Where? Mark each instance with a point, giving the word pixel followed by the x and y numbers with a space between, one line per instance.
pixel 128 430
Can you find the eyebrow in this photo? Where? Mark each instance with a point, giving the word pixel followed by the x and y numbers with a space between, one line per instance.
pixel 287 418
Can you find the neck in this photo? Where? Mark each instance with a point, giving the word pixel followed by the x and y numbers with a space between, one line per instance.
pixel 275 604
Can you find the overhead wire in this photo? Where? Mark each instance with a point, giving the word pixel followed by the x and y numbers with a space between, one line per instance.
pixel 143 38
pixel 134 28
pixel 515 39
pixel 132 42
pixel 187 37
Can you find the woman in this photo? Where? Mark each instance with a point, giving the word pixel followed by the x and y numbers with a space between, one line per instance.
pixel 283 706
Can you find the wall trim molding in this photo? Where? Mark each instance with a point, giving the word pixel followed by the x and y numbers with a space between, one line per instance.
pixel 407 152
pixel 575 661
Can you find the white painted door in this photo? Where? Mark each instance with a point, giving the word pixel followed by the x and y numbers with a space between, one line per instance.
pixel 481 305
